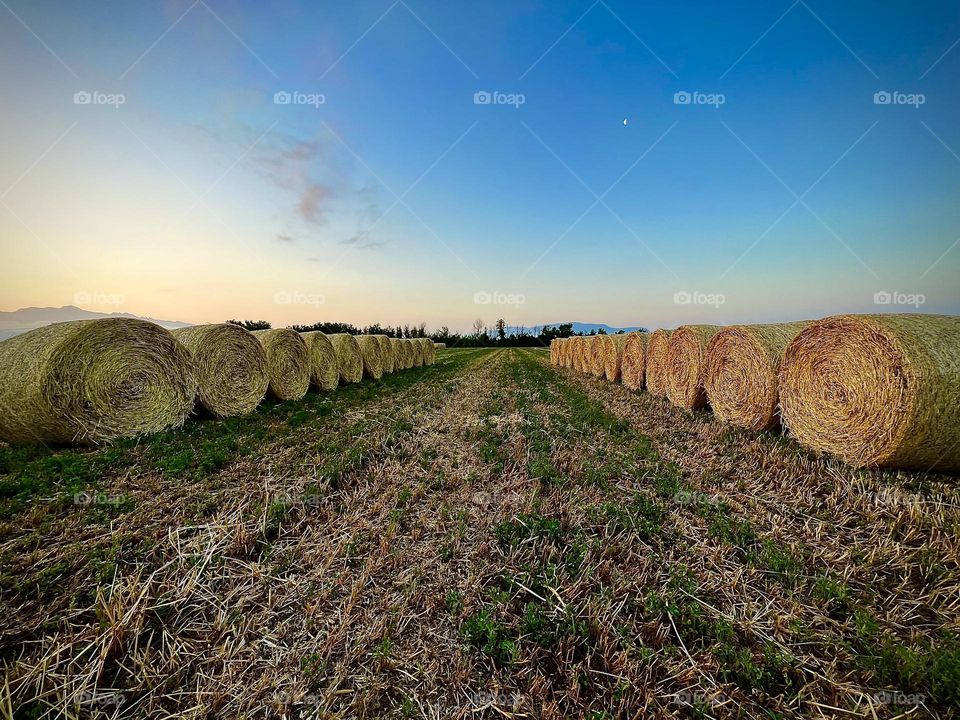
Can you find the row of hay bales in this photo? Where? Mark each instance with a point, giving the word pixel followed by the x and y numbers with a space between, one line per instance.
pixel 92 381
pixel 874 390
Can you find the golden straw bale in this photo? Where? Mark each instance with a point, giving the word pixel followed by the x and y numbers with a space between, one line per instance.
pixel 876 390
pixel 743 367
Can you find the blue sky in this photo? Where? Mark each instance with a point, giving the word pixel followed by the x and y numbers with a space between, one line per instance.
pixel 199 198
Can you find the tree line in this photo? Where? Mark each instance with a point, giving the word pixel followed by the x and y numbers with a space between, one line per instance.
pixel 500 335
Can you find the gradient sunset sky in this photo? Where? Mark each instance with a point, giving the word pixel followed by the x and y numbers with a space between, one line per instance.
pixel 399 197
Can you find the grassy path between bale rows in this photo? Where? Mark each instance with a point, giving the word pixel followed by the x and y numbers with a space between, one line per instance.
pixel 488 537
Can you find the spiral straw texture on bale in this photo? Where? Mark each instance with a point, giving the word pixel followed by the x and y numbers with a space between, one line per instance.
pixel 429 354
pixel 324 367
pixel 417 351
pixel 370 353
pixel 349 357
pixel 611 347
pixel 656 369
pixel 409 355
pixel 230 366
pixel 876 390
pixel 687 365
pixel 386 354
pixel 633 363
pixel 92 381
pixel 288 362
pixel 595 355
pixel 743 368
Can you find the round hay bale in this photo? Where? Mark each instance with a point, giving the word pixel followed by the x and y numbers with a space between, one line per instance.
pixel 655 374
pixel 743 367
pixel 612 350
pixel 408 353
pixel 370 352
pixel 633 363
pixel 876 390
pixel 430 351
pixel 567 354
pixel 386 354
pixel 440 346
pixel 288 362
pixel 417 352
pixel 349 357
pixel 580 354
pixel 595 356
pixel 92 381
pixel 230 365
pixel 687 365
pixel 324 368
pixel 399 359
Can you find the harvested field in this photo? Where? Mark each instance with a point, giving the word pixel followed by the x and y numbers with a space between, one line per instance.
pixel 489 536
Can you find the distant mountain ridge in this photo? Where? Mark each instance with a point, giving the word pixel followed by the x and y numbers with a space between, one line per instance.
pixel 30 318
pixel 578 327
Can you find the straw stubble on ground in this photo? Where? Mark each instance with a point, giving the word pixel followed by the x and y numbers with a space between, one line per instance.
pixel 486 537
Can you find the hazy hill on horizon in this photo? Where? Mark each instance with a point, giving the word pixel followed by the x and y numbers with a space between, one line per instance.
pixel 30 318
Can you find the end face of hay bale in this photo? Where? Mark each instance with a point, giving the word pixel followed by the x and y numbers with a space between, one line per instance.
pixel 686 365
pixel 409 356
pixel 288 362
pixel 324 367
pixel 429 354
pixel 370 352
pixel 231 367
pixel 92 381
pixel 595 355
pixel 349 357
pixel 877 390
pixel 417 352
pixel 399 358
pixel 742 373
pixel 386 354
pixel 633 363
pixel 612 348
pixel 656 373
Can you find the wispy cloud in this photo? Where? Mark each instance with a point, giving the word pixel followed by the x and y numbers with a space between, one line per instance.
pixel 286 239
pixel 363 241
pixel 313 203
